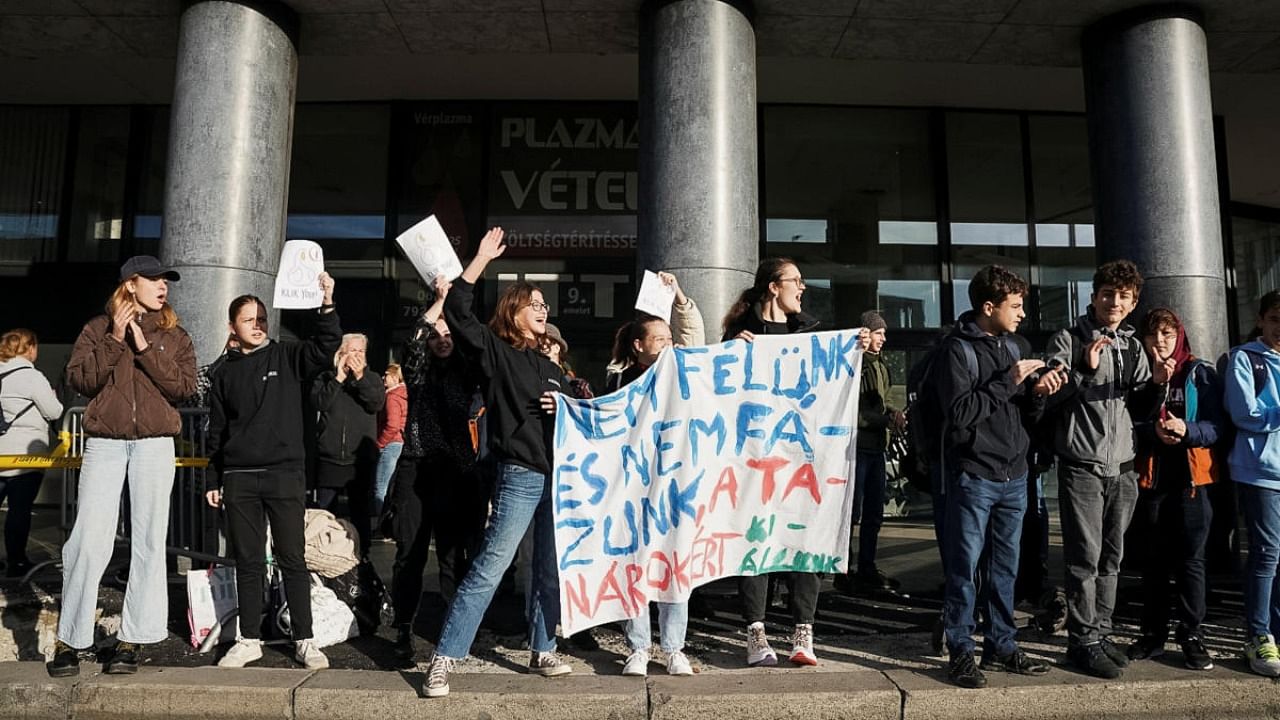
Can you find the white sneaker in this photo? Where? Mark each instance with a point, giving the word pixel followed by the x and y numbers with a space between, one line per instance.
pixel 245 651
pixel 802 646
pixel 758 650
pixel 548 664
pixel 637 664
pixel 678 664
pixel 1263 655
pixel 438 675
pixel 308 653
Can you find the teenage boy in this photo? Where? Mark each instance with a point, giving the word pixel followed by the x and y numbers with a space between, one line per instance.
pixel 875 418
pixel 983 389
pixel 1093 439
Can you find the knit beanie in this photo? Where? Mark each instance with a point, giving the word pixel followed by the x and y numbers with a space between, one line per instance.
pixel 872 321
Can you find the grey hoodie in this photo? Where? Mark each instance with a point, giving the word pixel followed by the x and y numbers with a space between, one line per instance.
pixel 1093 426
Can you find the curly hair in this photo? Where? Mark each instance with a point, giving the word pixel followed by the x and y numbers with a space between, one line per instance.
pixel 16 342
pixel 1119 274
pixel 993 284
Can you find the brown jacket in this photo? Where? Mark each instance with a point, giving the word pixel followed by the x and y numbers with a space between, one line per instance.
pixel 133 393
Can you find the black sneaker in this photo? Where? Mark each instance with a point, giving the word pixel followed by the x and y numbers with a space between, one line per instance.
pixel 843 584
pixel 404 644
pixel 1115 653
pixel 1093 660
pixel 124 659
pixel 1195 655
pixel 66 661
pixel 964 672
pixel 873 581
pixel 1015 662
pixel 1146 647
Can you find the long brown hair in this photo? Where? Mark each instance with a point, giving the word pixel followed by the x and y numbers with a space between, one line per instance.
pixel 168 316
pixel 515 298
pixel 768 271
pixel 16 342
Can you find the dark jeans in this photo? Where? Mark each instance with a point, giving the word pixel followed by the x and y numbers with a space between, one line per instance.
pixel 939 501
pixel 804 596
pixel 1095 514
pixel 868 506
pixel 433 499
pixel 20 491
pixel 251 499
pixel 1033 562
pixel 982 512
pixel 1175 529
pixel 356 481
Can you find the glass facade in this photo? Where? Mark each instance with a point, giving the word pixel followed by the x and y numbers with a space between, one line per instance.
pixel 888 208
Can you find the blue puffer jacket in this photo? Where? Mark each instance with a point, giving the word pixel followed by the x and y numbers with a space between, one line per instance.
pixel 1255 457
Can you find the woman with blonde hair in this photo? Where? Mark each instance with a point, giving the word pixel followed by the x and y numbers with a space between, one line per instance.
pixel 137 364
pixel 29 405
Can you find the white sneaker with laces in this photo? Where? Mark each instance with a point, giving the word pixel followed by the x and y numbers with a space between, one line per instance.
pixel 637 664
pixel 678 664
pixel 548 664
pixel 245 651
pixel 802 646
pixel 1263 655
pixel 758 651
pixel 438 675
pixel 308 653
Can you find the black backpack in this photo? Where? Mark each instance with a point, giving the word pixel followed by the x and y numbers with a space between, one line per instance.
pixel 6 423
pixel 927 427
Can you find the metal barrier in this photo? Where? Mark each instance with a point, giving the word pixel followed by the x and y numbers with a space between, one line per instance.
pixel 194 527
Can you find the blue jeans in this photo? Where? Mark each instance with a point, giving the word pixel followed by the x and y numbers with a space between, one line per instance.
pixel 981 511
pixel 521 496
pixel 868 505
pixel 1261 595
pixel 148 464
pixel 387 459
pixel 673 621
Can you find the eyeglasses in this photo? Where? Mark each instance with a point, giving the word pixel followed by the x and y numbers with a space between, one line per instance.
pixel 539 306
pixel 797 280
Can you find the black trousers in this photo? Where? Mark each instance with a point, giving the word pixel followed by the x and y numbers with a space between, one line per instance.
pixel 356 480
pixel 20 491
pixel 804 596
pixel 1175 529
pixel 437 499
pixel 251 499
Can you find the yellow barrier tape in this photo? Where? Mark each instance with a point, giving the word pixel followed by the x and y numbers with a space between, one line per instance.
pixel 59 457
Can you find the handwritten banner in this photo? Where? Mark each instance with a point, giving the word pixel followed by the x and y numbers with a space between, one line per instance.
pixel 730 459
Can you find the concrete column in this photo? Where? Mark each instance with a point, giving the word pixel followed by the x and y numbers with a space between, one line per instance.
pixel 230 138
pixel 699 193
pixel 1155 178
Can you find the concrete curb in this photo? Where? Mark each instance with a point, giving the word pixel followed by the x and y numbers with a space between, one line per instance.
pixel 1149 690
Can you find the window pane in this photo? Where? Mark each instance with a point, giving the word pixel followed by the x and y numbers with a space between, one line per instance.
pixel 33 145
pixel 1064 216
pixel 849 195
pixel 97 218
pixel 1257 258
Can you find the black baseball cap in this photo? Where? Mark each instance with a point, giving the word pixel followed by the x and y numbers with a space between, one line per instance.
pixel 148 267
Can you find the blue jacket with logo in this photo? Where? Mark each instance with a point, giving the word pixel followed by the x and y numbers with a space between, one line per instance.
pixel 1255 456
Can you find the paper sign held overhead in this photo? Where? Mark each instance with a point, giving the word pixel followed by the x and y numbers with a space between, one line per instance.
pixel 655 297
pixel 428 248
pixel 298 278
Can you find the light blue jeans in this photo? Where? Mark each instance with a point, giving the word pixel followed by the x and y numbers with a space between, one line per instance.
pixel 387 459
pixel 673 620
pixel 148 464
pixel 521 496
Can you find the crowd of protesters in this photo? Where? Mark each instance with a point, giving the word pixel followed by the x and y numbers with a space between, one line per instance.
pixel 452 448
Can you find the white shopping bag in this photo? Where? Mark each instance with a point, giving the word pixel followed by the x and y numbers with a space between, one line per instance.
pixel 332 621
pixel 211 595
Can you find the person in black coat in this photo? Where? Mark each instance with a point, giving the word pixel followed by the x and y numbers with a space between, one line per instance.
pixel 347 400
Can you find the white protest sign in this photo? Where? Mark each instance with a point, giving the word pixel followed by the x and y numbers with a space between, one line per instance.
pixel 428 248
pixel 655 297
pixel 298 279
pixel 724 460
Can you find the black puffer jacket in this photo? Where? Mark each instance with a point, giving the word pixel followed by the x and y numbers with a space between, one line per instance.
pixel 347 428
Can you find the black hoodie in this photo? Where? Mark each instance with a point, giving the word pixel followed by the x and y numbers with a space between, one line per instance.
pixel 255 400
pixel 984 414
pixel 513 382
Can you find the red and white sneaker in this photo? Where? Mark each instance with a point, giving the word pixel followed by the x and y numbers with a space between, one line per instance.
pixel 802 646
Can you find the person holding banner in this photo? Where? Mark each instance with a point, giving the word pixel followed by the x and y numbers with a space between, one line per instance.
pixel 256 448
pixel 772 306
pixel 29 405
pixel 136 363
pixel 520 384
